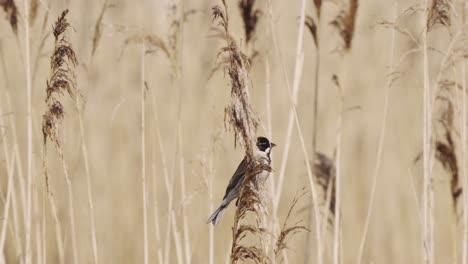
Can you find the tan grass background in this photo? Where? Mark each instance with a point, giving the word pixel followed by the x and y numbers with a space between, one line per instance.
pixel 110 86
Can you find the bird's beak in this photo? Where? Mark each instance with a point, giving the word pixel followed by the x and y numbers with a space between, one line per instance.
pixel 273 144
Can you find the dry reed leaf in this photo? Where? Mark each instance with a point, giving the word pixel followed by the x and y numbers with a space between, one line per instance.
pixel 310 24
pixel 98 28
pixel 12 13
pixel 345 23
pixel 33 8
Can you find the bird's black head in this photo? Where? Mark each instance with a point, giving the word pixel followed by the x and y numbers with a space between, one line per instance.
pixel 263 144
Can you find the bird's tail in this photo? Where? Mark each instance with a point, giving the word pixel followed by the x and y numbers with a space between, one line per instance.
pixel 216 215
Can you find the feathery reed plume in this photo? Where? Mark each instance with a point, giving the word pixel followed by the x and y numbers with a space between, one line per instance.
pixel 250 17
pixel 345 22
pixel 239 115
pixel 12 13
pixel 325 171
pixel 243 121
pixel 61 81
pixel 445 153
pixel 250 200
pixel 446 136
pixel 445 139
pixel 289 231
pixel 439 14
pixel 52 120
pixel 445 146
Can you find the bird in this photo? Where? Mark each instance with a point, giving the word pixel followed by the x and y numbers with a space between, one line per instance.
pixel 262 155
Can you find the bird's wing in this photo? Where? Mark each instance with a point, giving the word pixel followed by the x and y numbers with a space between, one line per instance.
pixel 237 178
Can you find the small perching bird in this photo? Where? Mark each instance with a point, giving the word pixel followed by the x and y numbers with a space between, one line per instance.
pixel 262 155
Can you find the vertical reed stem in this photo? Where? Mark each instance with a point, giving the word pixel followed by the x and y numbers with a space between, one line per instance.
pixel 71 208
pixel 427 186
pixel 29 132
pixel 464 155
pixel 380 146
pixel 143 156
